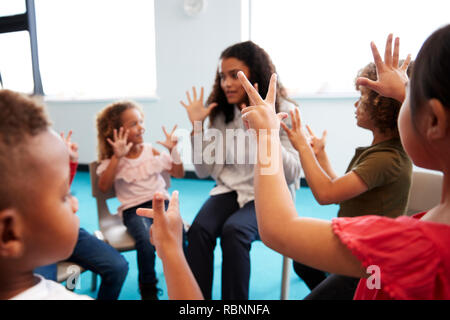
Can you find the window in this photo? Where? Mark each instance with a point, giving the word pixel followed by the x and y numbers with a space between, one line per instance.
pixel 96 49
pixel 11 7
pixel 15 62
pixel 319 46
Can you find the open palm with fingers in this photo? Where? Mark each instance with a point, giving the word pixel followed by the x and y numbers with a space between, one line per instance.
pixel 391 78
pixel 120 145
pixel 171 140
pixel 297 135
pixel 195 108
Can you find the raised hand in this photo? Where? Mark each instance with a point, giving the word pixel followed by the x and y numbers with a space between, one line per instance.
pixel 71 146
pixel 297 135
pixel 166 232
pixel 318 144
pixel 261 114
pixel 171 140
pixel 120 146
pixel 195 108
pixel 392 78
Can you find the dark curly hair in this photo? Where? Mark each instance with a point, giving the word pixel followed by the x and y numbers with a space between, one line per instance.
pixel 21 118
pixel 261 69
pixel 109 119
pixel 383 111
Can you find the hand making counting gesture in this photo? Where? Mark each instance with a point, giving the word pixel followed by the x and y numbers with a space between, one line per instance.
pixel 391 78
pixel 71 146
pixel 166 234
pixel 261 114
pixel 195 108
pixel 171 140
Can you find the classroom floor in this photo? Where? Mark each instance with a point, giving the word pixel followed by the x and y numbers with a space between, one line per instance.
pixel 265 279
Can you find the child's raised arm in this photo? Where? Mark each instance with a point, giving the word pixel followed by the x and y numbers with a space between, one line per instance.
pixel 309 241
pixel 325 188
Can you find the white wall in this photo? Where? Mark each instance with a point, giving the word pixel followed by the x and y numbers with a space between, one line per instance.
pixel 187 51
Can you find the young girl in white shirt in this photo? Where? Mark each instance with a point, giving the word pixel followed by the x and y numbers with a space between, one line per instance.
pixel 135 169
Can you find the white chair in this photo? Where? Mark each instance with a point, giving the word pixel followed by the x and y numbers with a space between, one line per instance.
pixel 112 230
pixel 425 192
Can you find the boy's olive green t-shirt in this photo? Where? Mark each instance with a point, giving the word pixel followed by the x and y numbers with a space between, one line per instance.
pixel 386 170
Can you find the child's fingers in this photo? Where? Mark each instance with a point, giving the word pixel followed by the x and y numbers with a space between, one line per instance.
pixel 388 51
pixel 293 120
pixel 202 91
pixel 406 63
pixel 367 83
pixel 188 97
pixel 253 95
pixel 183 104
pixel 272 91
pixel 212 106
pixel 285 127
pixel 396 54
pixel 174 128
pixel 324 135
pixel 376 56
pixel 194 92
pixel 298 118
pixel 143 212
pixel 174 205
pixel 164 130
pixel 311 133
pixel 158 204
pixel 282 115
pixel 110 142
pixel 248 115
pixel 69 136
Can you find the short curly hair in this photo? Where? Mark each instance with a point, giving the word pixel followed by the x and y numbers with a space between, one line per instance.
pixel 382 110
pixel 21 118
pixel 109 119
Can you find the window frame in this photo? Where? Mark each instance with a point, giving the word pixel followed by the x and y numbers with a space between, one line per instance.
pixel 26 22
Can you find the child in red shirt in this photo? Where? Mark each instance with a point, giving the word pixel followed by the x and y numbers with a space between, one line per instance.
pixel 403 258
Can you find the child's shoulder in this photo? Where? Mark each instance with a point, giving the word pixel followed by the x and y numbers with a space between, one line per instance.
pixel 49 290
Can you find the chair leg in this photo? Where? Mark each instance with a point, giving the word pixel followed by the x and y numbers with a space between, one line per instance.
pixel 94 282
pixel 285 278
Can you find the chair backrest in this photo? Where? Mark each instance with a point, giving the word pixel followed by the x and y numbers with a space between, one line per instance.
pixel 425 192
pixel 104 215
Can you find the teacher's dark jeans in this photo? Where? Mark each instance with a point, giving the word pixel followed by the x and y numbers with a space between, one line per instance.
pixel 220 216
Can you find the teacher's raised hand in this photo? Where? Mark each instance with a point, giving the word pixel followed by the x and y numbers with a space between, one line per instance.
pixel 195 108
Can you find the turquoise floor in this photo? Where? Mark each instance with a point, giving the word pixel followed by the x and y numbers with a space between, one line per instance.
pixel 265 281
